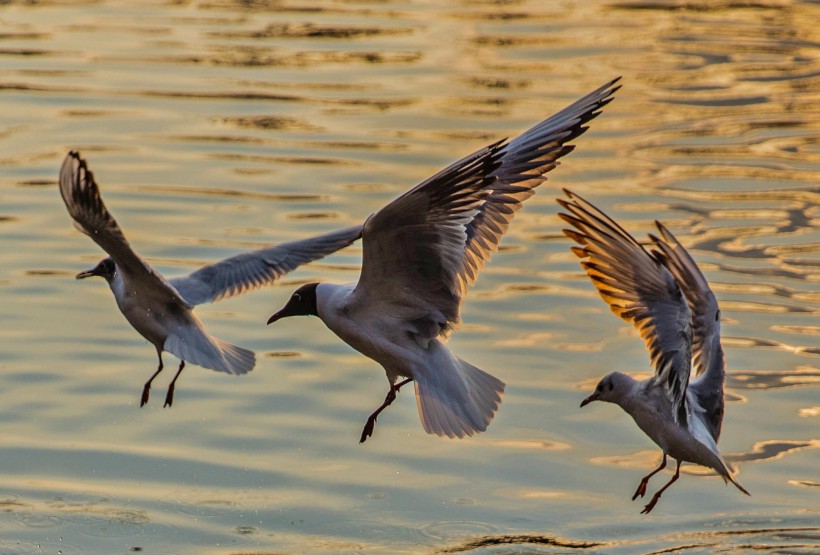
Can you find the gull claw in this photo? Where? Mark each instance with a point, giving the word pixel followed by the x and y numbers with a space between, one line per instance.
pixel 651 505
pixel 169 397
pixel 146 391
pixel 641 491
pixel 367 431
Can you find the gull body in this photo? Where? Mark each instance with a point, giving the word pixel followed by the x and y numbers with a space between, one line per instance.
pixel 162 310
pixel 665 295
pixel 421 253
pixel 651 408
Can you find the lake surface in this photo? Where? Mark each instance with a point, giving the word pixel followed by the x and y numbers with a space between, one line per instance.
pixel 218 126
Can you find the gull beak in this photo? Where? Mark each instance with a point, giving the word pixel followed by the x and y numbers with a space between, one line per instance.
pixel 588 400
pixel 275 317
pixel 87 273
pixel 294 307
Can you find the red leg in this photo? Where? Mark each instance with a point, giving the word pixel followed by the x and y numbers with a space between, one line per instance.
pixel 645 480
pixel 371 420
pixel 169 397
pixel 146 389
pixel 657 496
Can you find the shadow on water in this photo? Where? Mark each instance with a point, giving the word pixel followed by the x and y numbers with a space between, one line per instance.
pixel 763 379
pixel 771 450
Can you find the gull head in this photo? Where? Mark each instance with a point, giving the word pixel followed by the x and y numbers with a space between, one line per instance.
pixel 106 268
pixel 612 388
pixel 301 303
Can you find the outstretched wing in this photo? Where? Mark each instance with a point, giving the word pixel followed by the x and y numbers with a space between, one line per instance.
pixel 248 270
pixel 638 288
pixel 707 351
pixel 424 249
pixel 85 205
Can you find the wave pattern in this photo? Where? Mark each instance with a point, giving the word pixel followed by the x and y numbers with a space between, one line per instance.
pixel 220 125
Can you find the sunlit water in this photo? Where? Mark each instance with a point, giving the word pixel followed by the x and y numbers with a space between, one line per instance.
pixel 220 126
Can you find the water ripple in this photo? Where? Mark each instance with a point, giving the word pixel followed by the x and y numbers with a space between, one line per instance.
pixel 311 30
pixel 519 539
pixel 296 114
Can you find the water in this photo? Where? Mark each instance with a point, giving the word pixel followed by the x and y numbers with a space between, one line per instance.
pixel 219 126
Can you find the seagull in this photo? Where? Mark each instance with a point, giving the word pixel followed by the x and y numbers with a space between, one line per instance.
pixel 420 254
pixel 663 293
pixel 161 310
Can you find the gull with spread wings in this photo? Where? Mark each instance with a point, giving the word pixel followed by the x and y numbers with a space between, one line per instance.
pixel 161 309
pixel 421 253
pixel 663 293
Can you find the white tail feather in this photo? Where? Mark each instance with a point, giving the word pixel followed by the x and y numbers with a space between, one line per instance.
pixel 457 399
pixel 197 347
pixel 697 427
pixel 725 472
pixel 738 485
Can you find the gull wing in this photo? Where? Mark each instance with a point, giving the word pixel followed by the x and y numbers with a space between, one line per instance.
pixel 85 205
pixel 638 288
pixel 707 351
pixel 424 249
pixel 248 270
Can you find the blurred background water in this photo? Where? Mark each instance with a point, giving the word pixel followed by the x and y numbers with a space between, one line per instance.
pixel 217 126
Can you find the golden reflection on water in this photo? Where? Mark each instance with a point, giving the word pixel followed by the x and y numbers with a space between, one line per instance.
pixel 218 126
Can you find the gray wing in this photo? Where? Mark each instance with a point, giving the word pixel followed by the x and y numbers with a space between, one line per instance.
pixel 638 288
pixel 84 203
pixel 707 351
pixel 424 249
pixel 248 270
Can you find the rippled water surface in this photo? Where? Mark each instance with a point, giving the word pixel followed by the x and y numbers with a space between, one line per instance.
pixel 218 126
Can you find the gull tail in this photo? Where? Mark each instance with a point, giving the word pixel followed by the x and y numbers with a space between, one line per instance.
pixel 719 465
pixel 456 399
pixel 197 347
pixel 738 485
pixel 697 427
pixel 727 476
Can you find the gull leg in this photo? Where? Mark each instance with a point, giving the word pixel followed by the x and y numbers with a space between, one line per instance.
pixel 657 495
pixel 371 420
pixel 169 397
pixel 645 480
pixel 146 389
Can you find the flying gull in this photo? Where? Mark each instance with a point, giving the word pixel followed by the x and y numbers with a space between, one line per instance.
pixel 663 293
pixel 161 309
pixel 421 253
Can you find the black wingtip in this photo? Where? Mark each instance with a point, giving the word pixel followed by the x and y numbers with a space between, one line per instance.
pixel 612 82
pixel 569 195
pixel 663 230
pixel 75 155
pixel 606 91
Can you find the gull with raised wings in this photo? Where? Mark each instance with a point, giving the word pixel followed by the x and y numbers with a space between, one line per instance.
pixel 663 293
pixel 161 309
pixel 421 253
